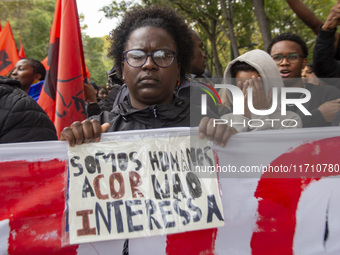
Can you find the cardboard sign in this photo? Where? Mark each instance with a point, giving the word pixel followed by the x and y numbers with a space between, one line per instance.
pixel 131 188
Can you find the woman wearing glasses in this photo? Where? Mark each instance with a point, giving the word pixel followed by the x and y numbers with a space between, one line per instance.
pixel 152 51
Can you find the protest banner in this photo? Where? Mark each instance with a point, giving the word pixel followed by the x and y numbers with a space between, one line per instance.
pixel 124 189
pixel 275 215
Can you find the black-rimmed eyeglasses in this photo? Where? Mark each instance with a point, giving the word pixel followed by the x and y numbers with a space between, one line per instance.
pixel 137 58
pixel 291 58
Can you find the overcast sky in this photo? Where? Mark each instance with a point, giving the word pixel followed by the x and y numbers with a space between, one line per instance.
pixel 92 17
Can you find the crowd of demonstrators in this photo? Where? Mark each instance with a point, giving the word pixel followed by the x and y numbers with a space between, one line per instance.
pixel 21 118
pixel 157 59
pixel 257 70
pixel 288 50
pixel 96 104
pixel 31 74
pixel 290 53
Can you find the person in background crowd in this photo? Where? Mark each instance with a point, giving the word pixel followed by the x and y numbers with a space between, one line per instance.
pixel 95 104
pixel 95 87
pixel 197 80
pixel 21 118
pixel 308 75
pixel 152 51
pixel 290 53
pixel 106 102
pixel 326 57
pixel 102 93
pixel 257 70
pixel 114 84
pixel 198 64
pixel 31 74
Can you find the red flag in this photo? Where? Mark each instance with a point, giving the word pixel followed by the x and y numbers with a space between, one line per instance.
pixel 0 25
pixel 8 50
pixel 44 62
pixel 21 51
pixel 62 96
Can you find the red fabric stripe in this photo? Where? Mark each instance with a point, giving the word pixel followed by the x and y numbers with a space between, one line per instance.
pixel 33 199
pixel 279 197
pixel 194 242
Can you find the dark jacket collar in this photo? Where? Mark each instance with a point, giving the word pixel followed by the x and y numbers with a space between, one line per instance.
pixel 10 82
pixel 172 113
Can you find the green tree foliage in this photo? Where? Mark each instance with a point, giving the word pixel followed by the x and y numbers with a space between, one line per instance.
pixel 117 8
pixel 14 9
pixel 96 60
pixel 32 20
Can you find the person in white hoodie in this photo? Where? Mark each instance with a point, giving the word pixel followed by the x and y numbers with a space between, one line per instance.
pixel 257 70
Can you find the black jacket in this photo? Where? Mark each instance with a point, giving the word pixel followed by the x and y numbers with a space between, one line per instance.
pixel 326 64
pixel 21 118
pixel 177 114
pixel 190 90
pixel 125 117
pixel 319 95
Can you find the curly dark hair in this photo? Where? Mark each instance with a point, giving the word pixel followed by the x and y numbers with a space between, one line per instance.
pixel 289 37
pixel 241 66
pixel 155 16
pixel 37 67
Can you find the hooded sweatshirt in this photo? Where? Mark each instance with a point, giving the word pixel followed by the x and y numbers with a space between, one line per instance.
pixel 267 69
